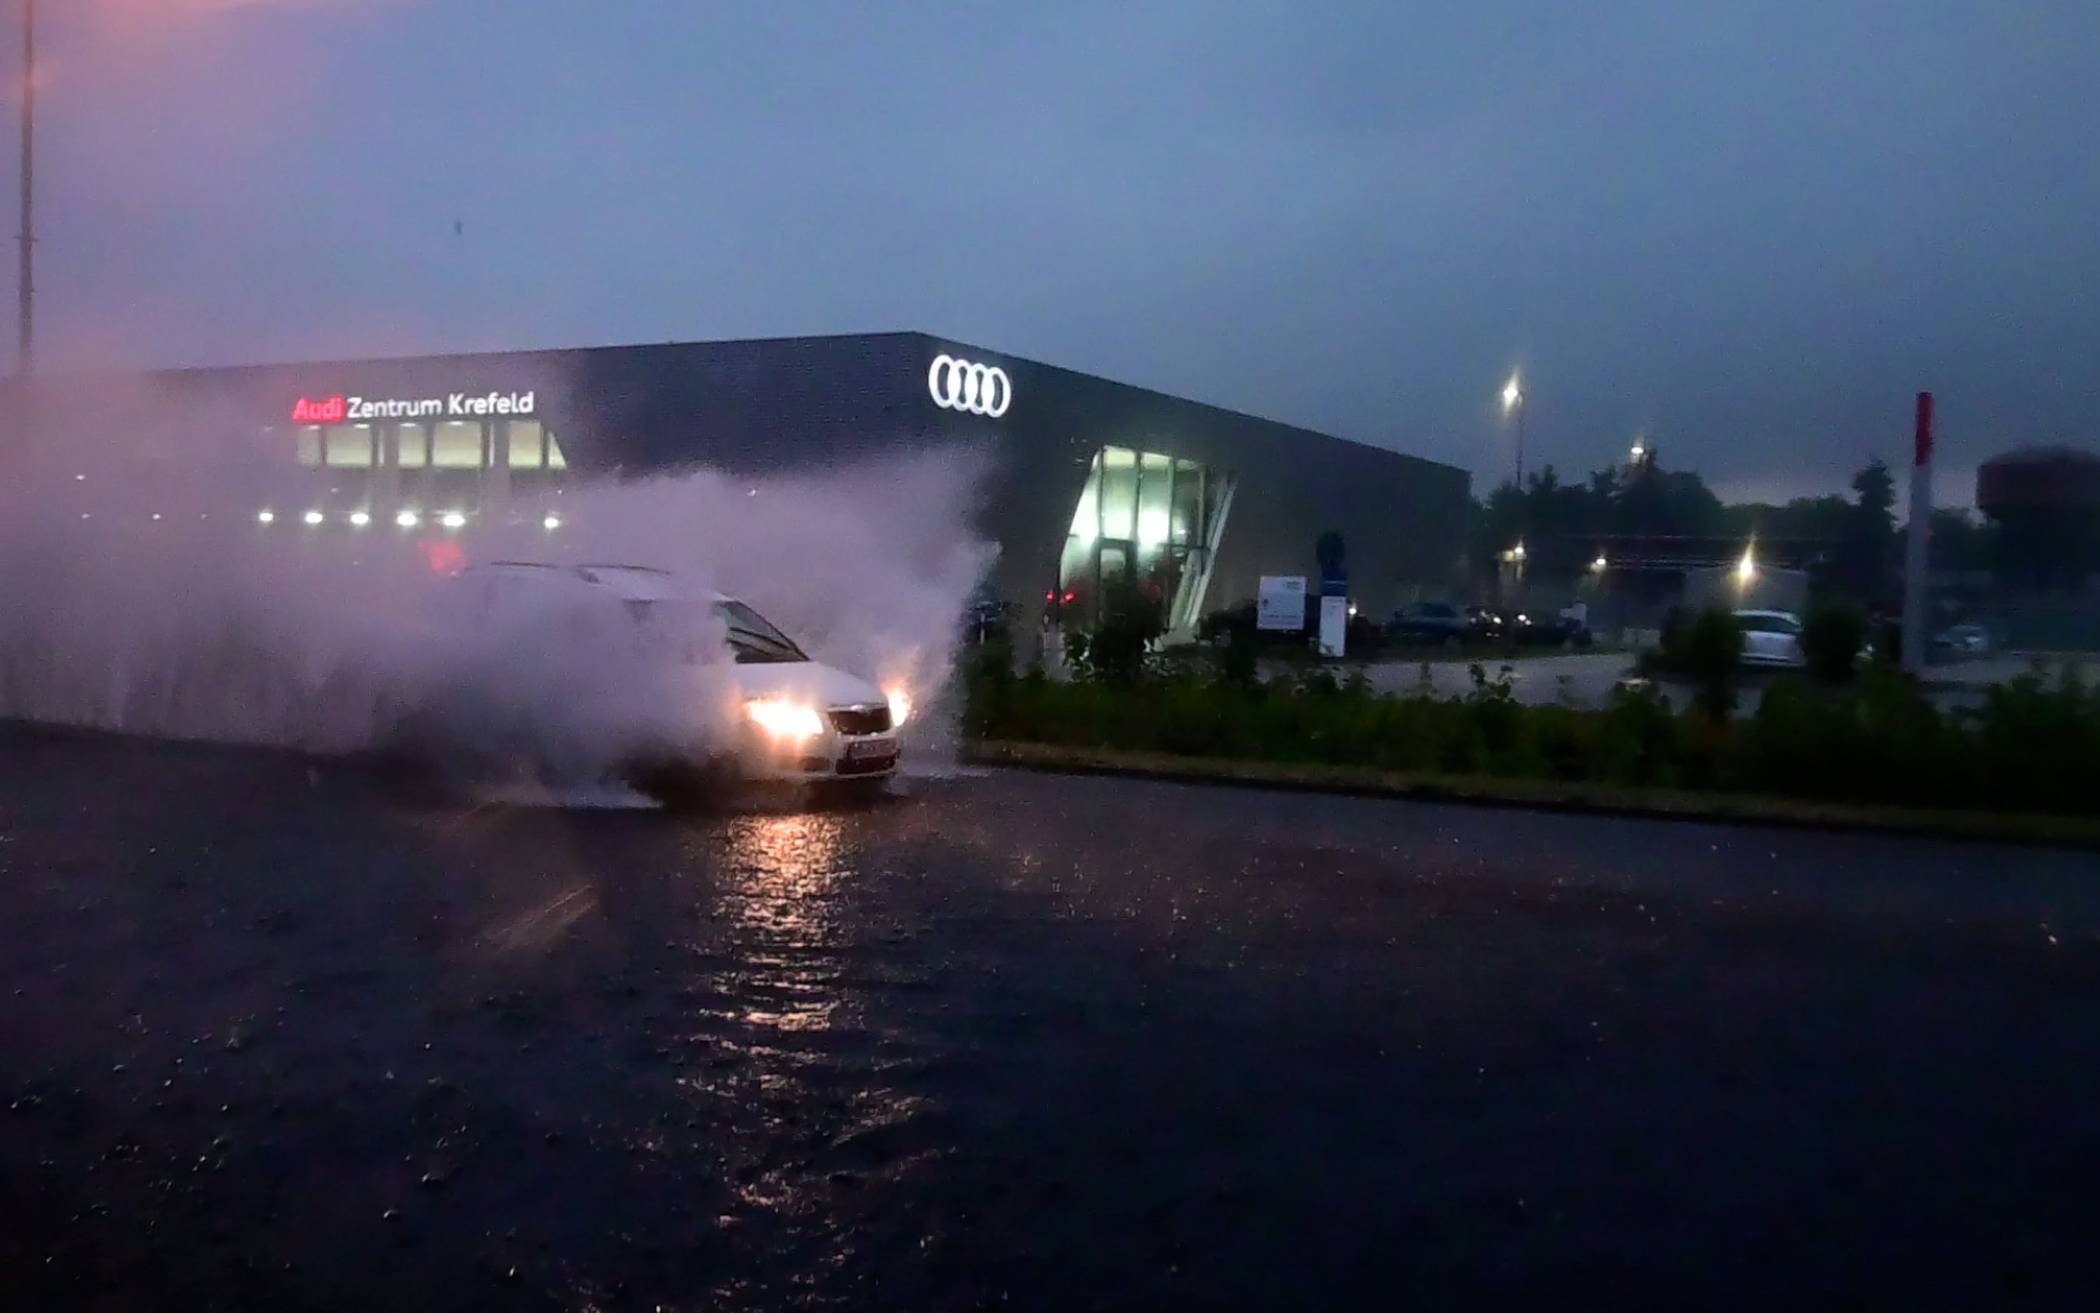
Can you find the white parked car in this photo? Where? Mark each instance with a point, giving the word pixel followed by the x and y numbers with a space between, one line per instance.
pixel 801 720
pixel 1964 640
pixel 1771 638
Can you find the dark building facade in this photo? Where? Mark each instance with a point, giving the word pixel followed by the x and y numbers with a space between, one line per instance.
pixel 1091 479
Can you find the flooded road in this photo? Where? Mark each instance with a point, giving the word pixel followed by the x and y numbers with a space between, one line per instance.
pixel 283 1036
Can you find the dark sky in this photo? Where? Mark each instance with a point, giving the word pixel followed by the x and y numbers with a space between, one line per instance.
pixel 1750 231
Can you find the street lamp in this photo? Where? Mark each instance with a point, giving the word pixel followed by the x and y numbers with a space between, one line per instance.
pixel 1746 569
pixel 1513 403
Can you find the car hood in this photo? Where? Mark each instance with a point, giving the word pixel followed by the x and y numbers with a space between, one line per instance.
pixel 804 681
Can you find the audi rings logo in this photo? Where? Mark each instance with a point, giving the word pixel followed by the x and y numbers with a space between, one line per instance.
pixel 963 385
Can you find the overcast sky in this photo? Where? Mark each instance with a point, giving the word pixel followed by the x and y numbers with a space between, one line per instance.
pixel 1750 231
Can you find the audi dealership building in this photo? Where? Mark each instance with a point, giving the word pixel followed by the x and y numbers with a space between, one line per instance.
pixel 1092 480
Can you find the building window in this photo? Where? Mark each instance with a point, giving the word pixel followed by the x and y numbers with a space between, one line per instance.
pixel 555 460
pixel 309 445
pixel 457 446
pixel 412 447
pixel 350 446
pixel 1149 518
pixel 1155 487
pixel 1119 467
pixel 525 443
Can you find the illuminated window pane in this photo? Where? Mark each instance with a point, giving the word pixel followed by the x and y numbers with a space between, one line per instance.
pixel 309 445
pixel 1156 473
pixel 1119 468
pixel 412 452
pixel 555 460
pixel 456 446
pixel 525 444
pixel 350 446
pixel 1187 527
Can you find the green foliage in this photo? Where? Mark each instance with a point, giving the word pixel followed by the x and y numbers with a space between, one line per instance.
pixel 2033 746
pixel 1132 616
pixel 1706 649
pixel 1831 639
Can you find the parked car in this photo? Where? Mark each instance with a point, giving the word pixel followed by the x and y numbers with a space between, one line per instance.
pixel 1486 624
pixel 1429 622
pixel 1771 638
pixel 1562 630
pixel 1963 640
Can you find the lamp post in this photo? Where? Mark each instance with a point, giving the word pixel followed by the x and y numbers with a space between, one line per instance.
pixel 1513 403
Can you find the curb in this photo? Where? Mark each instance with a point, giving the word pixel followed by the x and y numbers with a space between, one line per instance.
pixel 1714 807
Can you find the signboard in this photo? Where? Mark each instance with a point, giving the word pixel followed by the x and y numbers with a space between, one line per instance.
pixel 338 409
pixel 1334 625
pixel 1281 602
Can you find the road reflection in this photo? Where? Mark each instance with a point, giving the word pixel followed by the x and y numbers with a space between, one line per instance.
pixel 781 893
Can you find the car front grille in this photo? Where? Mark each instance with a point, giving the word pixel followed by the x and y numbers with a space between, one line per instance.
pixel 874 719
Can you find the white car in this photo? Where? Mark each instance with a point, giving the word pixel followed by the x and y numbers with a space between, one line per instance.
pixel 1964 640
pixel 801 721
pixel 1771 638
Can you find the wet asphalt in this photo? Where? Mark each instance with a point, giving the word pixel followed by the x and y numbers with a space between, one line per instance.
pixel 287 1036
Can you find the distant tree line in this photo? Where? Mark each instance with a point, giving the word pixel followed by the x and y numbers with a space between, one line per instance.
pixel 1850 545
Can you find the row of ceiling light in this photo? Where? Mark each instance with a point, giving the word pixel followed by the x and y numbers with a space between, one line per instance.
pixel 406 519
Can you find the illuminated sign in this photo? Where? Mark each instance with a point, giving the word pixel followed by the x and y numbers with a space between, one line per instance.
pixel 340 409
pixel 964 385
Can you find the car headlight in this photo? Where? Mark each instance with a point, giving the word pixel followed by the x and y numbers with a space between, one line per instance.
pixel 900 706
pixel 785 720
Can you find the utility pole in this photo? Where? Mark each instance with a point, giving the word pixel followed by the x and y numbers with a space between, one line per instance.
pixel 1917 556
pixel 25 277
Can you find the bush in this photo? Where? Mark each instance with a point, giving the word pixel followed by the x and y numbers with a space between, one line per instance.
pixel 1831 640
pixel 1707 650
pixel 2032 746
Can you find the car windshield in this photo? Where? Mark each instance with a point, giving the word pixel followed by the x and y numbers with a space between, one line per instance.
pixel 1769 624
pixel 753 639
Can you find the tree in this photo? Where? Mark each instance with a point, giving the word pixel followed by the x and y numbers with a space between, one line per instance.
pixel 1961 544
pixel 1866 556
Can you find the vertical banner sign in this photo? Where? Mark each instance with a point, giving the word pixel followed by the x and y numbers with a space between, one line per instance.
pixel 1334 625
pixel 1917 542
pixel 1334 594
pixel 1280 604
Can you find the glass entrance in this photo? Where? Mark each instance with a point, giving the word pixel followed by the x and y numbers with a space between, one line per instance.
pixel 1148 518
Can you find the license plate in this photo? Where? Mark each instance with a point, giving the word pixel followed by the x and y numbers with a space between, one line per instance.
pixel 867 748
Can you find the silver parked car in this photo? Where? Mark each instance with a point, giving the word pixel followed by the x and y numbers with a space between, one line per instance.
pixel 1771 638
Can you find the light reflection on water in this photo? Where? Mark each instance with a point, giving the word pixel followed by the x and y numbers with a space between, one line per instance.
pixel 783 1022
pixel 782 893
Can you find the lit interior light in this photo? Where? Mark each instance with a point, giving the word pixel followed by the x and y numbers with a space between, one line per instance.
pixel 266 517
pixel 313 517
pixel 900 706
pixel 1152 528
pixel 360 518
pixel 551 522
pixel 407 519
pixel 453 520
pixel 785 720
